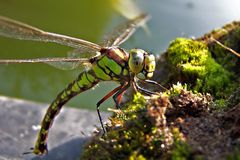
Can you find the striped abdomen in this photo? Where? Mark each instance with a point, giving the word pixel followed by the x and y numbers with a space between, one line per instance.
pixel 85 81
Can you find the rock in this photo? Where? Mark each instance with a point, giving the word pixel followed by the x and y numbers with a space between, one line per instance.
pixel 19 120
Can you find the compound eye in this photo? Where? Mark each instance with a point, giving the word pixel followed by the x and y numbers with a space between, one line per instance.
pixel 150 63
pixel 136 60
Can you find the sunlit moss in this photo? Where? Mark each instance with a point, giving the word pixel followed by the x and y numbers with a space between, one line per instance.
pixel 193 62
pixel 189 55
pixel 176 89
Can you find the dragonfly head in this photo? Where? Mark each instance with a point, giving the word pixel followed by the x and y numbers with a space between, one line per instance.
pixel 141 63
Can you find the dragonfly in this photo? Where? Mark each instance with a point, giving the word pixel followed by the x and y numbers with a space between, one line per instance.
pixel 108 62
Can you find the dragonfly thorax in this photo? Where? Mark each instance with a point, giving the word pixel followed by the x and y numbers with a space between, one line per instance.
pixel 141 63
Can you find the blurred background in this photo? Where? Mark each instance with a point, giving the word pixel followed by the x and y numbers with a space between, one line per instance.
pixel 90 20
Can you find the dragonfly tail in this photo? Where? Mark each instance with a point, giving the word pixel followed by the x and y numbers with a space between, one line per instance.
pixel 85 81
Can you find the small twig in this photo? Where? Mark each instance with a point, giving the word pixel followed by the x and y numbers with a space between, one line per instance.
pixel 225 47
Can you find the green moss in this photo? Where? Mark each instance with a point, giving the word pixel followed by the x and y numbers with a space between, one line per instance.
pixel 180 150
pixel 189 55
pixel 223 57
pixel 227 59
pixel 137 132
pixel 216 80
pixel 220 104
pixel 193 62
pixel 175 90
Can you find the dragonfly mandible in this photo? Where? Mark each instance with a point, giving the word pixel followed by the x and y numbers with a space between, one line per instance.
pixel 108 62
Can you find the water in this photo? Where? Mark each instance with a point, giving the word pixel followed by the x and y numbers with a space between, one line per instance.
pixel 89 20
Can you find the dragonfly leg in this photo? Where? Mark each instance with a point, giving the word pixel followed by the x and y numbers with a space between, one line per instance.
pixel 154 82
pixel 104 99
pixel 147 92
pixel 118 96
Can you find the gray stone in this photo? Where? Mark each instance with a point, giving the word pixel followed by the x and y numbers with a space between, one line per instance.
pixel 19 120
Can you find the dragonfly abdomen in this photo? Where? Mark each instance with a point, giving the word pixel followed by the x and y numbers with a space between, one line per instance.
pixel 85 81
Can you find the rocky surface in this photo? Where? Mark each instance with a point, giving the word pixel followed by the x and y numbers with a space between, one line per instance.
pixel 19 125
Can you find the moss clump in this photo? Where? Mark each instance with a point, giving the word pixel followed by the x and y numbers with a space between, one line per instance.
pixel 193 64
pixel 224 57
pixel 175 90
pixel 138 132
pixel 141 130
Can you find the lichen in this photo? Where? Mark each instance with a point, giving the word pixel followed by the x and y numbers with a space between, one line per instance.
pixel 193 64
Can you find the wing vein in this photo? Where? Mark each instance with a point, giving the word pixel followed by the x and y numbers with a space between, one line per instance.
pixel 43 60
pixel 14 29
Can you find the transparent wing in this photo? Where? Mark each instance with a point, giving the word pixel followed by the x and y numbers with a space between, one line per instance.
pixel 80 65
pixel 14 29
pixel 121 33
pixel 127 8
pixel 79 53
pixel 60 63
pixel 83 52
